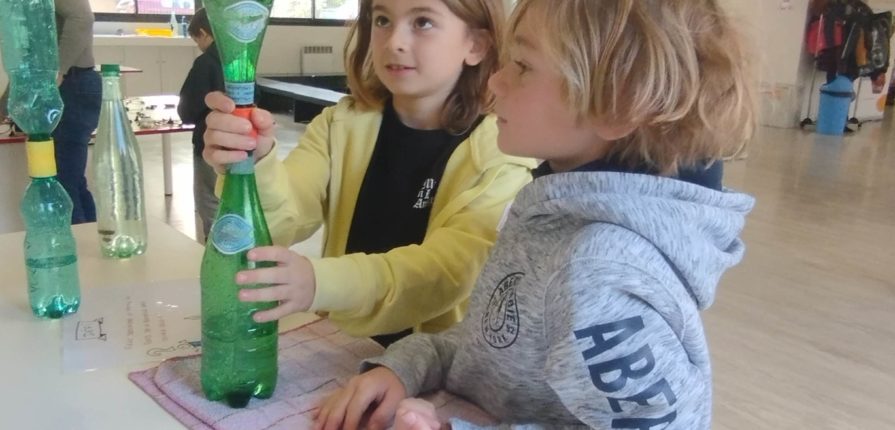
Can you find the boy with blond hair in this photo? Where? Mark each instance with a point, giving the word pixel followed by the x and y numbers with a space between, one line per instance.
pixel 587 311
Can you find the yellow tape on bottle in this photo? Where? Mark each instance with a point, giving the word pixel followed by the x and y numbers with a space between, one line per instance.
pixel 41 159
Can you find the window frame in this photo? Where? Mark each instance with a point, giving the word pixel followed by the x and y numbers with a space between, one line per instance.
pixel 164 18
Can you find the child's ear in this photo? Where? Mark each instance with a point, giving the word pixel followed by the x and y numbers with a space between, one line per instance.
pixel 612 132
pixel 481 44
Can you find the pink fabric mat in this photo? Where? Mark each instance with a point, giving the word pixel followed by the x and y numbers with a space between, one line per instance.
pixel 314 360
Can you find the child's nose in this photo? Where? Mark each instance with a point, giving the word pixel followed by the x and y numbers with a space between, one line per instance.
pixel 397 40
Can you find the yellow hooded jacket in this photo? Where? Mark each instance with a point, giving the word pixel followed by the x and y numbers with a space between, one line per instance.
pixel 422 286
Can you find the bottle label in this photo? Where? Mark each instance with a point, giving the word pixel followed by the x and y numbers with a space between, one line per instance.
pixel 246 20
pixel 232 234
pixel 242 93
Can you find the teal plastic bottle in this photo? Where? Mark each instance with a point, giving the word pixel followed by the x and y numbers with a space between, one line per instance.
pixel 239 356
pixel 51 259
pixel 118 176
pixel 31 59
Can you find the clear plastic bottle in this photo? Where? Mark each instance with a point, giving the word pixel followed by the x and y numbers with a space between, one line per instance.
pixel 184 27
pixel 239 356
pixel 173 23
pixel 31 59
pixel 118 176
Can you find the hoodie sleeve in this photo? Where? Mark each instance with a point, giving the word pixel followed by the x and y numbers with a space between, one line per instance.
pixel 421 360
pixel 613 358
pixel 457 424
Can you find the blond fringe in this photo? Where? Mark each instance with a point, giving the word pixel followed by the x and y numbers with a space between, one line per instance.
pixel 678 70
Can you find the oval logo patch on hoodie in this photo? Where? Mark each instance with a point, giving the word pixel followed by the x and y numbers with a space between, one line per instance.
pixel 500 323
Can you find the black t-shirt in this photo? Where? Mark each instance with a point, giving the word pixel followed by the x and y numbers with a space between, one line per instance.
pixel 399 187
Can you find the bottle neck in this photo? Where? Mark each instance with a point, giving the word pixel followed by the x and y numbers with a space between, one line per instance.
pixel 244 167
pixel 111 87
pixel 43 180
pixel 41 158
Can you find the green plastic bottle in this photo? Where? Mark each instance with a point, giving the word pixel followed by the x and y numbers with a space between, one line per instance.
pixel 31 59
pixel 238 27
pixel 239 356
pixel 118 176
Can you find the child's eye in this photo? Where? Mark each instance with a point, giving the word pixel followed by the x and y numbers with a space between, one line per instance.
pixel 521 66
pixel 380 21
pixel 423 23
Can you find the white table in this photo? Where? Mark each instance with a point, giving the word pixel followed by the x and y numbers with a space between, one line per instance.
pixel 35 393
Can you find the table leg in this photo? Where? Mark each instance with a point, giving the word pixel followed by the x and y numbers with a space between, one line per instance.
pixel 166 163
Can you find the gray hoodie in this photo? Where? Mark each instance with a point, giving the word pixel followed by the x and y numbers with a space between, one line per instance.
pixel 587 312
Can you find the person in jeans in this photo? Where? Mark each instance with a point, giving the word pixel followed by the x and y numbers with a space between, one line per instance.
pixel 81 90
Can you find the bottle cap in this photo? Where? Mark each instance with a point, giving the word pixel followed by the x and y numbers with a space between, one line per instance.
pixel 110 69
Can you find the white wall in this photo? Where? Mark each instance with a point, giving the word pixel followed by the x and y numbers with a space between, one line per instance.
pixel 776 28
pixel 282 44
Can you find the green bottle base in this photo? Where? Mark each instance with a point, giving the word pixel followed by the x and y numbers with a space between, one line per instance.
pixel 240 397
pixel 234 371
pixel 56 307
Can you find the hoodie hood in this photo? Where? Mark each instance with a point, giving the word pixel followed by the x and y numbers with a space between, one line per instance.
pixel 696 228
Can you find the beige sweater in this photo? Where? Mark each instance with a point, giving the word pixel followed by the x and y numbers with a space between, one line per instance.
pixel 74 26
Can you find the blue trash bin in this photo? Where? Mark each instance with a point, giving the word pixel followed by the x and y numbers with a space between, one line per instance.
pixel 832 110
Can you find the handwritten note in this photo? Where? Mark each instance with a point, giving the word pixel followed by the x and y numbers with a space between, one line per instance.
pixel 130 325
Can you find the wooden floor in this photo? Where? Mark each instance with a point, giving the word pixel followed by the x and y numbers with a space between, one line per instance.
pixel 803 331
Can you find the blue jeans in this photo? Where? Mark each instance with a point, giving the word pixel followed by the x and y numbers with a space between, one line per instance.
pixel 82 93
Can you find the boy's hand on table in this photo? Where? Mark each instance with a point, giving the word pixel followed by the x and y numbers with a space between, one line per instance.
pixel 370 401
pixel 417 414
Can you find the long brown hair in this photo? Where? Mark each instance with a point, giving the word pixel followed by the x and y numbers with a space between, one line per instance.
pixel 678 70
pixel 470 96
